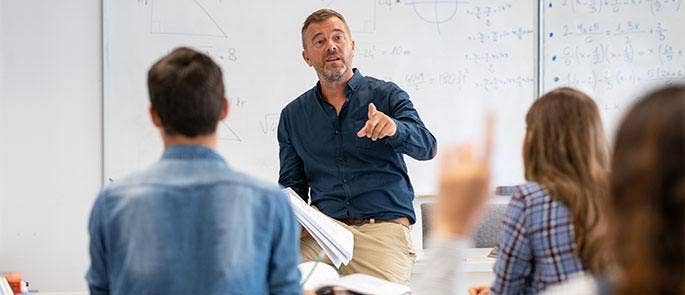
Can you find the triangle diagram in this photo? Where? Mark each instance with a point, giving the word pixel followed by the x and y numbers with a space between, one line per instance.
pixel 183 17
pixel 227 133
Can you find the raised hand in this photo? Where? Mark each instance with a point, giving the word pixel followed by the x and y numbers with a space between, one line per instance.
pixel 463 189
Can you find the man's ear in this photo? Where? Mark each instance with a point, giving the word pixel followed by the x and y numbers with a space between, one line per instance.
pixel 156 120
pixel 305 56
pixel 225 108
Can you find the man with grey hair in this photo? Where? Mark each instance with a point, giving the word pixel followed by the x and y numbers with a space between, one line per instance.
pixel 342 144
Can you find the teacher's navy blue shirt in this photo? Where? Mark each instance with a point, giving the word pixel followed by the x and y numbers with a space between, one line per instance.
pixel 352 177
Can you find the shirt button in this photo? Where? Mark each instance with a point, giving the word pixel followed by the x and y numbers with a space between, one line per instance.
pixel 337 131
pixel 344 180
pixel 347 203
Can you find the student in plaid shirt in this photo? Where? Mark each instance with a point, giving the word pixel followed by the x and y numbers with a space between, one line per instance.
pixel 553 222
pixel 646 204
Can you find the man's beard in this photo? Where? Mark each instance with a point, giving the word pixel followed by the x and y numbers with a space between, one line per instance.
pixel 333 76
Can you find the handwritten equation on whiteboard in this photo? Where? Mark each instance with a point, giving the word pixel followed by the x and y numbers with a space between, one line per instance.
pixel 605 45
pixel 613 50
pixel 616 7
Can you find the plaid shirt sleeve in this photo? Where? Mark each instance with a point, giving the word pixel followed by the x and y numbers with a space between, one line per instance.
pixel 537 243
pixel 514 258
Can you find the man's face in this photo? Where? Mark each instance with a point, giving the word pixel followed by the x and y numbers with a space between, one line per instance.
pixel 329 49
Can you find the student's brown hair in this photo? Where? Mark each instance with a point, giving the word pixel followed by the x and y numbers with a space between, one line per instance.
pixel 565 151
pixel 648 195
pixel 187 91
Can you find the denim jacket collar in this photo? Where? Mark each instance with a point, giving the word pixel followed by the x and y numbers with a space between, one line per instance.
pixel 190 151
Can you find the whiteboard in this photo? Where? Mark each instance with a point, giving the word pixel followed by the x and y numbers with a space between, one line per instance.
pixel 613 50
pixel 456 59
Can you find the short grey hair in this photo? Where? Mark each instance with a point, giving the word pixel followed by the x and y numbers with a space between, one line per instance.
pixel 319 16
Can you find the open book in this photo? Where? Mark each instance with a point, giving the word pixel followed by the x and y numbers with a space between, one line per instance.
pixel 336 241
pixel 319 276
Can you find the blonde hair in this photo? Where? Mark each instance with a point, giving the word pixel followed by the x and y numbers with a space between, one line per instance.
pixel 566 151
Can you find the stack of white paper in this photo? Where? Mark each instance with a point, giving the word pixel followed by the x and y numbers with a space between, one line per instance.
pixel 5 287
pixel 326 276
pixel 336 241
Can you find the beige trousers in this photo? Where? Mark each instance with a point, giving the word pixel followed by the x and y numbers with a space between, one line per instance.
pixel 383 250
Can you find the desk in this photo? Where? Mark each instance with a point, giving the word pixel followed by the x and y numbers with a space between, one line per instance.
pixel 477 266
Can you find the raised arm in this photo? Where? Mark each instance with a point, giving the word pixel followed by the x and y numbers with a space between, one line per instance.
pixel 463 191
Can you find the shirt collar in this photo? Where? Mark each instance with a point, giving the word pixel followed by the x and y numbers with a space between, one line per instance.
pixel 356 79
pixel 353 83
pixel 190 151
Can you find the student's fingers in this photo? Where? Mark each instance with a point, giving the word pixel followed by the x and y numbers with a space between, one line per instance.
pixel 449 158
pixel 479 290
pixel 489 135
pixel 476 290
pixel 464 155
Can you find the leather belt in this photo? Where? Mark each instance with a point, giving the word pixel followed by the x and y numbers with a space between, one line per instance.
pixel 358 221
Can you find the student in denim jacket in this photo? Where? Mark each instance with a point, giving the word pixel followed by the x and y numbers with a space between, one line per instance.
pixel 191 224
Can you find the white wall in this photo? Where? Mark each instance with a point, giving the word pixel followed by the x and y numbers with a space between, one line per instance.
pixel 50 146
pixel 3 123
